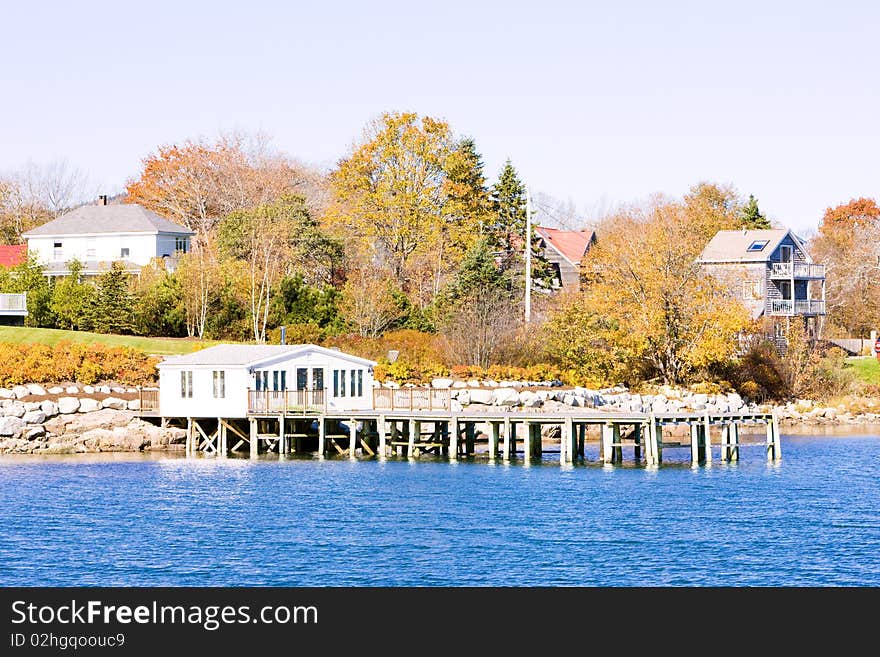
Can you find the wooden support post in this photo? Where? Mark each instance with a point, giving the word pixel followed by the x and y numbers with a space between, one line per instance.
pixel 322 436
pixel 255 447
pixel 527 442
pixel 395 437
pixel 494 439
pixel 415 428
pixel 637 437
pixel 581 441
pixel 381 428
pixel 566 443
pixel 648 432
pixel 606 444
pixel 695 443
pixel 453 439
pixel 707 438
pixel 352 437
pixel 190 437
pixel 470 437
pixel 505 449
pixel 777 438
pixel 282 436
pixel 725 449
pixel 617 448
pixel 224 445
pixel 537 442
pixel 733 441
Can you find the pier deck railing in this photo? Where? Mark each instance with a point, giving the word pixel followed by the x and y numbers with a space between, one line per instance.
pixel 286 401
pixel 149 399
pixel 411 399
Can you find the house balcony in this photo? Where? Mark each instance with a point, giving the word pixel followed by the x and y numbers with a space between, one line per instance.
pixel 789 308
pixel 14 304
pixel 286 401
pixel 799 270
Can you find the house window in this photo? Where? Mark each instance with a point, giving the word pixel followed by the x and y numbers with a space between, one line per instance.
pixel 219 384
pixel 354 383
pixel 335 383
pixel 181 244
pixel 342 383
pixel 90 248
pixel 752 290
pixel 302 378
pixel 360 383
pixel 123 252
pixel 186 384
pixel 757 245
pixel 57 252
pixel 275 380
pixel 785 289
pixel 785 254
pixel 262 380
pixel 318 379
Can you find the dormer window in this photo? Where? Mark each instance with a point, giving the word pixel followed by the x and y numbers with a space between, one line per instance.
pixel 123 253
pixel 757 245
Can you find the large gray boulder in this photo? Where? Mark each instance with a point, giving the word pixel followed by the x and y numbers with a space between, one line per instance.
pixel 11 426
pixel 71 390
pixel 56 390
pixel 14 409
pixel 505 397
pixel 88 405
pixel 529 399
pixel 20 391
pixel 6 393
pixel 34 417
pixel 463 397
pixel 134 405
pixel 67 405
pixel 441 383
pixel 73 424
pixel 481 396
pixel 49 407
pixel 31 406
pixel 36 389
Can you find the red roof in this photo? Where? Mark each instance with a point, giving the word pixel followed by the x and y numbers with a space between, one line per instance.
pixel 572 244
pixel 12 254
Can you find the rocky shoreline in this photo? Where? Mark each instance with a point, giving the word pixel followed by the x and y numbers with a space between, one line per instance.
pixel 77 419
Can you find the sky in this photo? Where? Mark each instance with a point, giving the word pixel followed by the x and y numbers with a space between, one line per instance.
pixel 597 103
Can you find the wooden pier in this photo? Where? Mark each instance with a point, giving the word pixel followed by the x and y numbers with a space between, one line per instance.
pixel 623 437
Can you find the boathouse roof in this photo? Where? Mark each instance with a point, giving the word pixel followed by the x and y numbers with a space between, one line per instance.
pixel 252 355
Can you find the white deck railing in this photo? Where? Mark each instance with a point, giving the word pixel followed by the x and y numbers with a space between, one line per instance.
pixel 13 303
pixel 797 270
pixel 799 307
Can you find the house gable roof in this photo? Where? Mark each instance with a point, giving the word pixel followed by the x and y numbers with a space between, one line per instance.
pixel 97 219
pixel 253 355
pixel 733 245
pixel 570 244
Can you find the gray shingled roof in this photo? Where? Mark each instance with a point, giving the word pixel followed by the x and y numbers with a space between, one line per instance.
pixel 126 218
pixel 732 245
pixel 249 354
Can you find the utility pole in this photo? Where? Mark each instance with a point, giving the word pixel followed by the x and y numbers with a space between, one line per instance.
pixel 528 303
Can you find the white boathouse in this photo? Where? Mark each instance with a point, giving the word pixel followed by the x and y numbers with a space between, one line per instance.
pixel 238 381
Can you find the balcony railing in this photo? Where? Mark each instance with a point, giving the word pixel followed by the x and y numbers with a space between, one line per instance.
pixel 797 270
pixel 411 399
pixel 286 401
pixel 787 307
pixel 13 304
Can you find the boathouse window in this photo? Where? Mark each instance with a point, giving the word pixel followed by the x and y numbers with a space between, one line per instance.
pixel 186 384
pixel 757 245
pixel 262 380
pixel 360 383
pixel 335 383
pixel 219 384
pixel 354 383
pixel 342 383
pixel 302 378
pixel 318 379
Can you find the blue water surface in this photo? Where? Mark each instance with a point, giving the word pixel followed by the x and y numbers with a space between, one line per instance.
pixel 813 519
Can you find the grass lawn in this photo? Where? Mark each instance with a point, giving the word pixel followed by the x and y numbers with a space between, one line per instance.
pixel 867 368
pixel 160 346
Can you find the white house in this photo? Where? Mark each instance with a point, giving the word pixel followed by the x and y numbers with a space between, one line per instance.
pixel 98 235
pixel 235 380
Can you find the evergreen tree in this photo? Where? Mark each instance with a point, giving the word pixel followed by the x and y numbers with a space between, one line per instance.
pixel 508 228
pixel 112 307
pixel 70 299
pixel 478 273
pixel 751 216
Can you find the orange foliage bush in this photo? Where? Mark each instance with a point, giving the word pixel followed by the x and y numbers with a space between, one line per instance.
pixel 39 363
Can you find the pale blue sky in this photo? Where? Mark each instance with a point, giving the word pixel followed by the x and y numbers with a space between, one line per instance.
pixel 599 102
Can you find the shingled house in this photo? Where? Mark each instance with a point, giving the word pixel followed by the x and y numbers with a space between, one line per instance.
pixel 98 235
pixel 772 274
pixel 564 250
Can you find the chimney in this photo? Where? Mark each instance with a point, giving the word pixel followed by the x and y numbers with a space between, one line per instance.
pixel 102 199
pixel 393 355
pixel 283 335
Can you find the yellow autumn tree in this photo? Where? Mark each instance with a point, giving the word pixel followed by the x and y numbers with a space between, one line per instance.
pixel 410 196
pixel 648 308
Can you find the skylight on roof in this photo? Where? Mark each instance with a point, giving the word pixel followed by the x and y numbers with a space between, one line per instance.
pixel 757 245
